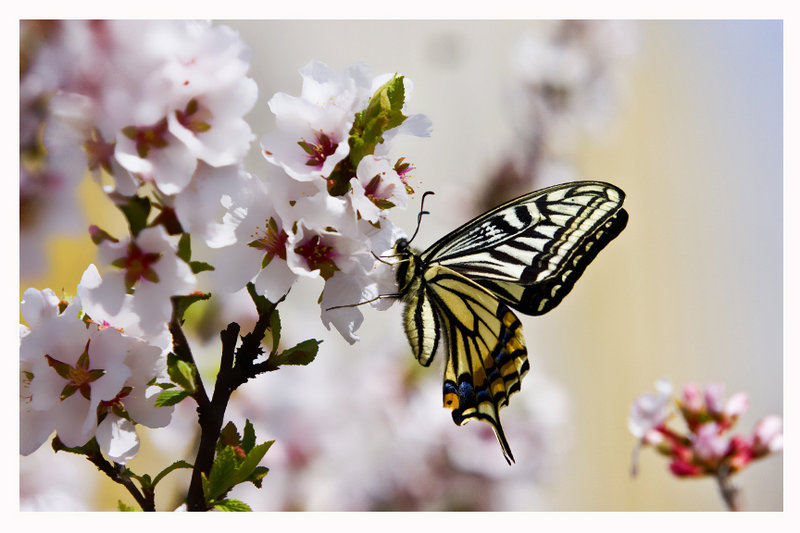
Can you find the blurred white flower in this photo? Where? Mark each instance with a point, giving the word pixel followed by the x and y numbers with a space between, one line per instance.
pixel 649 410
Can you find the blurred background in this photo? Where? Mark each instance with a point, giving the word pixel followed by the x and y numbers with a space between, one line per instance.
pixel 685 116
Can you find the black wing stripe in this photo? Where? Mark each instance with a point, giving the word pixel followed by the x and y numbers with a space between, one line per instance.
pixel 539 298
pixel 505 245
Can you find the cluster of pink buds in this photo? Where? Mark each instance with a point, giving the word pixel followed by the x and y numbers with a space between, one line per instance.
pixel 706 446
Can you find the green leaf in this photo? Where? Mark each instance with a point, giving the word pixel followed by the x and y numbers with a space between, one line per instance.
pixel 302 354
pixel 249 437
pixel 125 508
pixel 251 460
pixel 383 113
pixel 174 466
pixel 181 373
pixel 185 247
pixel 229 436
pixel 199 266
pixel 171 397
pixel 181 303
pixel 275 329
pixel 136 210
pixel 222 476
pixel 90 448
pixel 262 304
pixel 257 475
pixel 231 505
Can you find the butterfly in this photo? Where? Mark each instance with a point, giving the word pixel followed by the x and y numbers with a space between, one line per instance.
pixel 462 292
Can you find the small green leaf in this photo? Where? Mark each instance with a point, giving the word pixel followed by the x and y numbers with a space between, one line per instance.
pixel 185 247
pixel 229 436
pixel 302 354
pixel 181 373
pixel 383 113
pixel 181 303
pixel 125 508
pixel 231 505
pixel 257 475
pixel 262 304
pixel 90 448
pixel 275 329
pixel 136 210
pixel 223 474
pixel 199 266
pixel 249 437
pixel 171 397
pixel 251 460
pixel 174 466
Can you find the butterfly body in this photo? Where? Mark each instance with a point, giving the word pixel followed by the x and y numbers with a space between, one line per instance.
pixel 524 255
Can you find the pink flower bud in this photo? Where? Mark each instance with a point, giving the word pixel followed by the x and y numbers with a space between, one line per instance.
pixel 683 468
pixel 691 397
pixel 736 405
pixel 741 452
pixel 714 398
pixel 768 435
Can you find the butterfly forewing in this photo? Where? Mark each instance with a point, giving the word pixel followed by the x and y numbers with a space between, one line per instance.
pixel 528 239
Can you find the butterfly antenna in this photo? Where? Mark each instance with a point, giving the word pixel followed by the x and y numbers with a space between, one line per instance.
pixel 379 259
pixel 421 212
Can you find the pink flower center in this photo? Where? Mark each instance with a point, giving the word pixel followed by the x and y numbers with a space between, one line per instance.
pixel 78 377
pixel 147 137
pixel 318 256
pixel 99 152
pixel 138 265
pixel 318 151
pixel 271 239
pixel 192 118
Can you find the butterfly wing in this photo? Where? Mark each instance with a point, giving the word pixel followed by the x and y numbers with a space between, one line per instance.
pixel 486 354
pixel 531 251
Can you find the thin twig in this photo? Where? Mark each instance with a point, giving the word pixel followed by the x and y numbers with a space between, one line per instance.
pixel 115 473
pixel 730 493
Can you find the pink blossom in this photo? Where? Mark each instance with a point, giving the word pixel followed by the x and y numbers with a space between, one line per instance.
pixel 714 398
pixel 709 445
pixel 768 435
pixel 692 399
pixel 736 405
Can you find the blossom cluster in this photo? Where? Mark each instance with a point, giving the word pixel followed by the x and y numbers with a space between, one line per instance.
pixel 705 448
pixel 157 103
pixel 323 214
pixel 155 111
pixel 85 374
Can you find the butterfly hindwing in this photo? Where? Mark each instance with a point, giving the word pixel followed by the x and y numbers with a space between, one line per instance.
pixel 486 354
